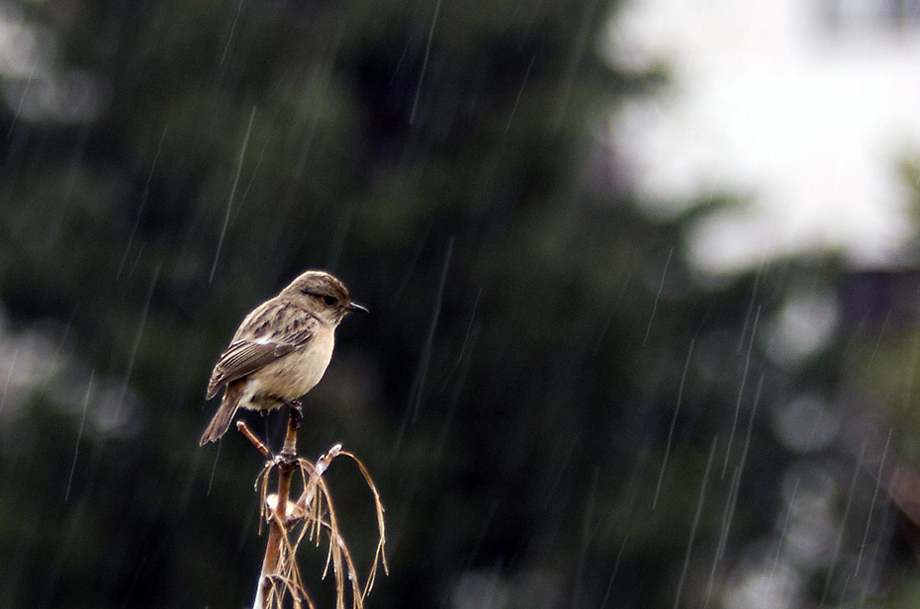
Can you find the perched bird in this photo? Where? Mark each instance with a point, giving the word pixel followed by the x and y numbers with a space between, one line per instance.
pixel 281 349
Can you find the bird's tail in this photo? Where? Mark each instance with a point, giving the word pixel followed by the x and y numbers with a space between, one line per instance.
pixel 221 420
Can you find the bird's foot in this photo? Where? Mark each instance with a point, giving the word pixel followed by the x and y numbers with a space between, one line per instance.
pixel 296 412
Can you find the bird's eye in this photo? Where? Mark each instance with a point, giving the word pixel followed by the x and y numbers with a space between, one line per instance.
pixel 329 300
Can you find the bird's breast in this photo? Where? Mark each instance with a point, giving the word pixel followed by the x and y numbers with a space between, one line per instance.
pixel 298 372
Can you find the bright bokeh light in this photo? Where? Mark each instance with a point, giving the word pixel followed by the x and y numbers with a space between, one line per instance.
pixel 803 326
pixel 805 424
pixel 33 85
pixel 803 123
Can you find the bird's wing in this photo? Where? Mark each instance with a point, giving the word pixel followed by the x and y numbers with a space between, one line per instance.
pixel 270 332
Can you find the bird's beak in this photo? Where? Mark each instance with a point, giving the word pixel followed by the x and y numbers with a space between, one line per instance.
pixel 353 306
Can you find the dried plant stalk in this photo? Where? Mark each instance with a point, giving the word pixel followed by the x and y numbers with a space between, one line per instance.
pixel 313 517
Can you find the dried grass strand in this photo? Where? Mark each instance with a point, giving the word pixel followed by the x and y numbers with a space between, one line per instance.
pixel 313 517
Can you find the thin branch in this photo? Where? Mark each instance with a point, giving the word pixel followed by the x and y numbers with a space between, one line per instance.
pixel 259 444
pixel 312 516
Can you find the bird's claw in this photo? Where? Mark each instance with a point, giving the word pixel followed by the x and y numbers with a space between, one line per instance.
pixel 296 412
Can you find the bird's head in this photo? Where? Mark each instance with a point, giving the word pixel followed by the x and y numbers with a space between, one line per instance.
pixel 322 294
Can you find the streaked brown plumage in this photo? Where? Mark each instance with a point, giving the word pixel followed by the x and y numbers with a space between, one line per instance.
pixel 281 349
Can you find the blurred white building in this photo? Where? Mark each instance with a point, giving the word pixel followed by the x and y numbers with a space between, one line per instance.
pixel 804 110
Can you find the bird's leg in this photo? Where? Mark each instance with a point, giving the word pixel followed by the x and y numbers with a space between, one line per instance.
pixel 264 413
pixel 296 413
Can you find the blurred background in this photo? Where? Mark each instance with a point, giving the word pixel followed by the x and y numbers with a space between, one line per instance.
pixel 642 276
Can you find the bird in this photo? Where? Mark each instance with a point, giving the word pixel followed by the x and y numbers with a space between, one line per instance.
pixel 280 351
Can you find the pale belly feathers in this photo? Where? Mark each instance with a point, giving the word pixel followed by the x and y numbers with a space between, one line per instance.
pixel 291 376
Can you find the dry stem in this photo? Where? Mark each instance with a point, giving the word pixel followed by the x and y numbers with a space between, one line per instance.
pixel 313 514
